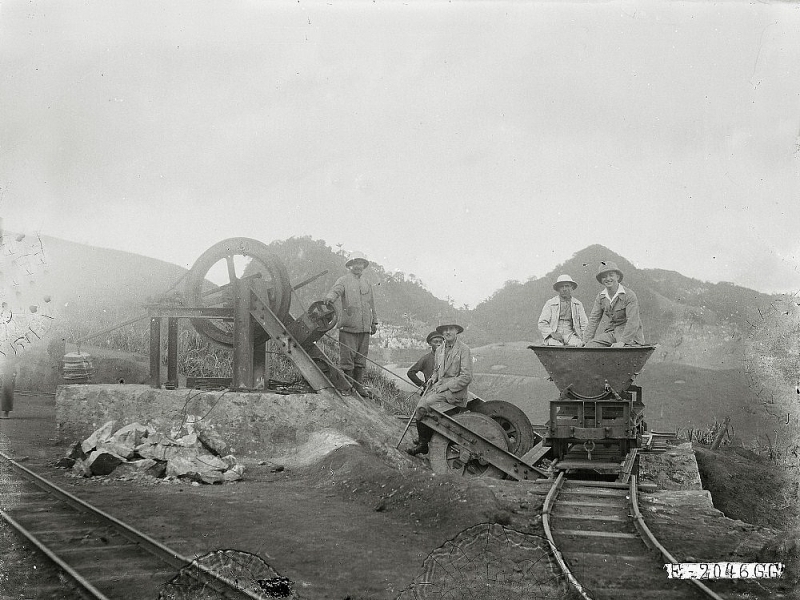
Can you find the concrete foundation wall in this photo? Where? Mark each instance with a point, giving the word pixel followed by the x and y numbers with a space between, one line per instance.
pixel 257 426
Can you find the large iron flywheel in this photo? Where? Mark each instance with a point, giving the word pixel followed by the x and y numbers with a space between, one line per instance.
pixel 514 422
pixel 446 456
pixel 267 275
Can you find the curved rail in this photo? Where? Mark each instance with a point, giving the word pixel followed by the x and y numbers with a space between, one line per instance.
pixel 226 587
pixel 652 542
pixel 549 501
pixel 635 515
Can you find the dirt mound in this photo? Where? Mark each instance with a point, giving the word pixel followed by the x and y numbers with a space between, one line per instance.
pixel 770 497
pixel 439 501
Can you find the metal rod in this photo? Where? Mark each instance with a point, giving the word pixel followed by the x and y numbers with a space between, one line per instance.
pixel 410 419
pixel 309 280
pixel 110 329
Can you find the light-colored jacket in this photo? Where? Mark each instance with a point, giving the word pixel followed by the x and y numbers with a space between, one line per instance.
pixel 623 317
pixel 358 304
pixel 548 320
pixel 454 374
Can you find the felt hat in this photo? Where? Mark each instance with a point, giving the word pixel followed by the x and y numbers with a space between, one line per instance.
pixel 354 256
pixel 605 267
pixel 564 279
pixel 440 329
pixel 433 334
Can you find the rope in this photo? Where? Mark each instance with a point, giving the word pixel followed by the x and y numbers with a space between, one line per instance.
pixel 365 357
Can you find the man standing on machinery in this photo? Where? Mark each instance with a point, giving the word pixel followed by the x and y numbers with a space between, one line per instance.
pixel 426 363
pixel 358 319
pixel 563 319
pixel 447 386
pixel 620 304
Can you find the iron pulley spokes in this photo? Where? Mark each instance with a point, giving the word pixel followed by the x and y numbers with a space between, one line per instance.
pixel 263 272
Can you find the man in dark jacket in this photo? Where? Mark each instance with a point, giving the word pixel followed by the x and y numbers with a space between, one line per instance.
pixel 358 318
pixel 426 363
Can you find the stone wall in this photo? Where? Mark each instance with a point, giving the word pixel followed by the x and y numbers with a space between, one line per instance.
pixel 257 426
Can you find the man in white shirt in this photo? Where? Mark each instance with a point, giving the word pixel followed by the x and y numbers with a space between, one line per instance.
pixel 563 319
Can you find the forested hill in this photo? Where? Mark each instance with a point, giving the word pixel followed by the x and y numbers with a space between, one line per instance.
pixel 400 299
pixel 96 287
pixel 666 298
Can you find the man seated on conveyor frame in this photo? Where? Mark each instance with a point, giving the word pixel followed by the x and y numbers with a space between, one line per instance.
pixel 447 386
pixel 621 306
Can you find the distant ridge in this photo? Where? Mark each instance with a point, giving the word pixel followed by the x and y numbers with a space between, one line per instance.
pixel 107 286
pixel 667 299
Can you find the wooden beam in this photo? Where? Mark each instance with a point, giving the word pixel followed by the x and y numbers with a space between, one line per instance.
pixel 155 352
pixel 172 351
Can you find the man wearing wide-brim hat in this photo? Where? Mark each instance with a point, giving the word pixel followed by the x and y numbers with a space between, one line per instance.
pixel 426 363
pixel 358 319
pixel 563 319
pixel 620 305
pixel 447 386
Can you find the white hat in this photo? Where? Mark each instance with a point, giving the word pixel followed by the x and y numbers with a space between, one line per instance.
pixel 564 279
pixel 354 256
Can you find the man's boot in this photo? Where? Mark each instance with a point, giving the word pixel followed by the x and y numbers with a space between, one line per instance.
pixel 348 375
pixel 358 374
pixel 425 434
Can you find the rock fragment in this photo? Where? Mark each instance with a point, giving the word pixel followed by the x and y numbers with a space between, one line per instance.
pixel 101 434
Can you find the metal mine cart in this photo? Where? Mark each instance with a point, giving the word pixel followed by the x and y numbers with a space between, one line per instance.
pixel 597 421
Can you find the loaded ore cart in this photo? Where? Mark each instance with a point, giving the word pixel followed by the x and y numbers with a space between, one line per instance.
pixel 597 422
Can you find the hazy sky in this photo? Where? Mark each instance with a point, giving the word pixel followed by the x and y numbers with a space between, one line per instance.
pixel 467 143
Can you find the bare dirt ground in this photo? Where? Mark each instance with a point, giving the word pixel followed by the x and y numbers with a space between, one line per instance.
pixel 349 527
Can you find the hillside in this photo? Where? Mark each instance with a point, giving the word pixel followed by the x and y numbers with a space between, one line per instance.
pixel 695 322
pixel 675 309
pixel 94 288
pixel 400 300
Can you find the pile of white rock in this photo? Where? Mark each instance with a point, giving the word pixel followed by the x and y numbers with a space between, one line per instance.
pixel 197 455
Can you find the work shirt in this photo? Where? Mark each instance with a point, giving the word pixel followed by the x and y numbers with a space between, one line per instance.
pixel 358 304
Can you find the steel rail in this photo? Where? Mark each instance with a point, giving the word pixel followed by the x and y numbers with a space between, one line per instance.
pixel 651 541
pixel 549 501
pixel 227 587
pixel 74 575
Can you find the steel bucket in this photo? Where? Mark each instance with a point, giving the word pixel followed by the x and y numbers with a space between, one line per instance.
pixel 588 373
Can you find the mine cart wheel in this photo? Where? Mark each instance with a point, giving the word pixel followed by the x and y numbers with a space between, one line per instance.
pixel 514 422
pixel 446 456
pixel 274 285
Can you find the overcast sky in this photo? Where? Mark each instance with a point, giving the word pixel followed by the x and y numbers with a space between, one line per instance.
pixel 467 143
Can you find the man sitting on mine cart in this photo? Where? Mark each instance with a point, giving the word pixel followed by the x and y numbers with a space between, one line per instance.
pixel 563 319
pixel 621 306
pixel 447 386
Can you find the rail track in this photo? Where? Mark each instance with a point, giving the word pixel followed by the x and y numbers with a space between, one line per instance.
pixel 602 544
pixel 104 557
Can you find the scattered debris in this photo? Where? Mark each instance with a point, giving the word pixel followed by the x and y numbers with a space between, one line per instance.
pixel 137 449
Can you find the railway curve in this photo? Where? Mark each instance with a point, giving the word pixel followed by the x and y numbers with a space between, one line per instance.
pixel 605 518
